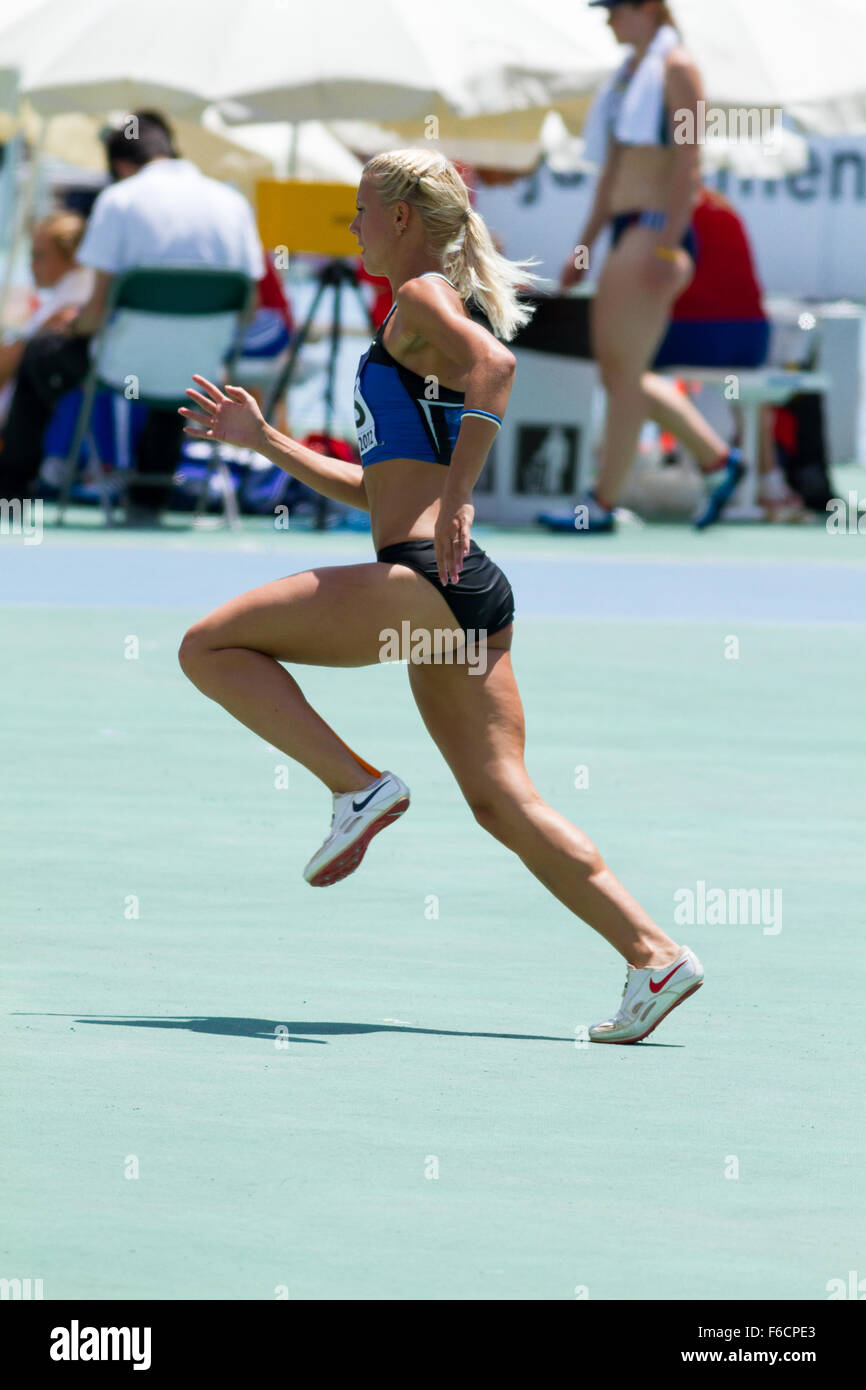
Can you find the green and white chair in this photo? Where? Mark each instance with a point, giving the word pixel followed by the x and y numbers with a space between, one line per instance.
pixel 161 324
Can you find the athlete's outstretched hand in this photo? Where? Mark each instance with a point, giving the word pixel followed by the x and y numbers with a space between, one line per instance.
pixel 451 538
pixel 231 416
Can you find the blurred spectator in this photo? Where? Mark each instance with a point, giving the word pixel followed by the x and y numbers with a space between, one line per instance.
pixel 66 285
pixel 161 210
pixel 646 191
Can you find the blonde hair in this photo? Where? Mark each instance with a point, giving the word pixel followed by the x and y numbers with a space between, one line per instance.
pixel 64 229
pixel 456 233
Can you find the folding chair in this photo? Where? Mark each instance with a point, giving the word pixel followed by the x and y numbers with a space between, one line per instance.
pixel 138 353
pixel 756 386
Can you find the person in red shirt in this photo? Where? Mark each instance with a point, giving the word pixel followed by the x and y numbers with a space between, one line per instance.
pixel 719 319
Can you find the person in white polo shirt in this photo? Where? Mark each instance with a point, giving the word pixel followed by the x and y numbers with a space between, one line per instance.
pixel 161 210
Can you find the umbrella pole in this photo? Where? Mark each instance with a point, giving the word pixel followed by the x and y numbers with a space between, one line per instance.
pixel 22 212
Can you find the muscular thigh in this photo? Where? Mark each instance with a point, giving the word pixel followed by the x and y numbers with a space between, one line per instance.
pixel 333 616
pixel 476 721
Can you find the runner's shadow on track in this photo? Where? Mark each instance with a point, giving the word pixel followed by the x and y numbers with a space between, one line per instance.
pixel 266 1028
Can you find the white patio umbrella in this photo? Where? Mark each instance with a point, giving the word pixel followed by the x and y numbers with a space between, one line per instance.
pixel 97 55
pixel 802 57
pixel 306 150
pixel 400 60
pixel 280 61
pixel 10 13
pixel 289 61
pixel 805 57
pixel 283 60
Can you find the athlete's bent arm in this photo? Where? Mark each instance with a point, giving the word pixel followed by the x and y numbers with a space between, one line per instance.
pixel 428 312
pixel 335 478
pixel 233 416
pixel 488 387
pixel 477 432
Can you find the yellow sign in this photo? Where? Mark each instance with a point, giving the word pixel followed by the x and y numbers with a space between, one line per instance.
pixel 306 217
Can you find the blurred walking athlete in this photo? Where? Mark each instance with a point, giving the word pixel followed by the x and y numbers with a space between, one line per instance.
pixel 647 191
pixel 429 397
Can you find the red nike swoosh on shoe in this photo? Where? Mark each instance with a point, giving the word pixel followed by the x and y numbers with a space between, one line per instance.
pixel 654 988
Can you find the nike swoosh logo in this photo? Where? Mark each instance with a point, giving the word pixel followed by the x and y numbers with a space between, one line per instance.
pixel 654 988
pixel 360 806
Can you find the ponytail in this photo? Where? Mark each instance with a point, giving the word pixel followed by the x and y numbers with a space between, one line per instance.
pixel 482 273
pixel 457 234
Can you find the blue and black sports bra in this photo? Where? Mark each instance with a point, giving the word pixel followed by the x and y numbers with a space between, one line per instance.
pixel 399 414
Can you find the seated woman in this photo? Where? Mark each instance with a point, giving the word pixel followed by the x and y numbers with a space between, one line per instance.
pixel 66 285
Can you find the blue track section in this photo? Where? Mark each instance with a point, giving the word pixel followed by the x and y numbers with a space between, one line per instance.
pixel 169 575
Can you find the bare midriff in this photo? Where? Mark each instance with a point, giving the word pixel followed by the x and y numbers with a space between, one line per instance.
pixel 642 178
pixel 403 495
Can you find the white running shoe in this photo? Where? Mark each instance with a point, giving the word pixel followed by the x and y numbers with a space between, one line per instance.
pixel 648 997
pixel 357 817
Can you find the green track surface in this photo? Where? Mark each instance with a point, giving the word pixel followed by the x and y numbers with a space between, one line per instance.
pixel 414 1038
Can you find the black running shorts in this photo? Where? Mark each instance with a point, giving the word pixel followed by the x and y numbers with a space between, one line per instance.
pixel 482 597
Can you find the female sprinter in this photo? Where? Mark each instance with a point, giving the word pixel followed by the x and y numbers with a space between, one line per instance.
pixel 430 393
pixel 646 189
